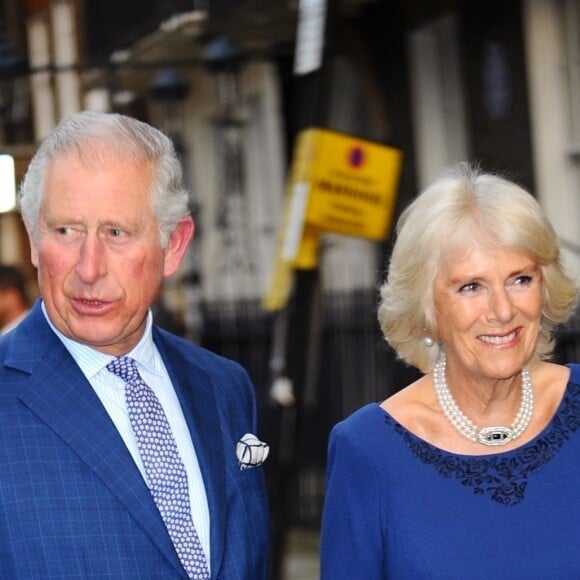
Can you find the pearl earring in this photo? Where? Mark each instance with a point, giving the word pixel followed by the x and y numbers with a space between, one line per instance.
pixel 428 341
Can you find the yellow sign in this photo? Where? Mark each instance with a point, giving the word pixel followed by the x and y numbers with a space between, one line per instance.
pixel 338 184
pixel 352 183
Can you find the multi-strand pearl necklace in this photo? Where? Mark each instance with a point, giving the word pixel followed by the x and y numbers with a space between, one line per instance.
pixel 499 435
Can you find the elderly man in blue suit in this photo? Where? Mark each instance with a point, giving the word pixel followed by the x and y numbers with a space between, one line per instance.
pixel 125 452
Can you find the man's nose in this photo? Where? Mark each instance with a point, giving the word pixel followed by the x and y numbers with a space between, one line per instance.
pixel 91 263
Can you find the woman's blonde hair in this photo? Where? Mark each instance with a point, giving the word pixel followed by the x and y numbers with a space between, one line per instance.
pixel 461 208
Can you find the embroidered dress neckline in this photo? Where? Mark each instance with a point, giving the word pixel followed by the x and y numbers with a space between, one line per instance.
pixel 504 475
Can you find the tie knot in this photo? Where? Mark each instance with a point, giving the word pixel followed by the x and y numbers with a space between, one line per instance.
pixel 124 367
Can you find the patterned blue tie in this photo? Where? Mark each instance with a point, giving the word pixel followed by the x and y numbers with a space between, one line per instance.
pixel 166 476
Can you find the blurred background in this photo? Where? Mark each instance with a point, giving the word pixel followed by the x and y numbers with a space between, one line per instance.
pixel 233 82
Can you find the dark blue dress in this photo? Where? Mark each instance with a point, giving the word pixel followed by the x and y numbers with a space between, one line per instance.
pixel 397 507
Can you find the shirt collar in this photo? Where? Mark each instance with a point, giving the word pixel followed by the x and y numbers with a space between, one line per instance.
pixel 92 361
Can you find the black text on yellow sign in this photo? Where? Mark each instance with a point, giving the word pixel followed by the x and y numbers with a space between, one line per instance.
pixel 338 184
pixel 352 184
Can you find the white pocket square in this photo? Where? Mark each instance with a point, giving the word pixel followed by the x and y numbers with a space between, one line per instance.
pixel 251 452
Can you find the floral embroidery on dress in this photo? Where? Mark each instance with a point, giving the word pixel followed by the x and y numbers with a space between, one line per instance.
pixel 503 477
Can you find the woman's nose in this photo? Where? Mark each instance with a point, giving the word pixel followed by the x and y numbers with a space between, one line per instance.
pixel 501 306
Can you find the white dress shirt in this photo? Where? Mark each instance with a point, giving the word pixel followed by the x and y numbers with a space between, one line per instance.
pixel 111 391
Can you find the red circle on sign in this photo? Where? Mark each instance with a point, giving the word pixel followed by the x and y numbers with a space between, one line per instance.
pixel 356 157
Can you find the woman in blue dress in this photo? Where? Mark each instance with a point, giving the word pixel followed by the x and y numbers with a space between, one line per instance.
pixel 473 471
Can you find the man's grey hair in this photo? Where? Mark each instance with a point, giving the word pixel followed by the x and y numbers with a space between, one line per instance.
pixel 94 137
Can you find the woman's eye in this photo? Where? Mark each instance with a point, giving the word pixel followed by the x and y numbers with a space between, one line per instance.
pixel 471 287
pixel 524 280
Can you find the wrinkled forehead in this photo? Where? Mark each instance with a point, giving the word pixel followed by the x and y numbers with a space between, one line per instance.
pixel 97 176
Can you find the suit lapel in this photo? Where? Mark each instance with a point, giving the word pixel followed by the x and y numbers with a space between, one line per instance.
pixel 197 398
pixel 60 396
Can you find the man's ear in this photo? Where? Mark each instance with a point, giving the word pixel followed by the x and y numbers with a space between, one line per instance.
pixel 177 246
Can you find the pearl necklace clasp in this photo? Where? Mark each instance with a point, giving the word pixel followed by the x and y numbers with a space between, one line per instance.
pixel 491 436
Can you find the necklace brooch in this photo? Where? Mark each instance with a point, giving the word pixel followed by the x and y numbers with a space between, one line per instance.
pixel 492 436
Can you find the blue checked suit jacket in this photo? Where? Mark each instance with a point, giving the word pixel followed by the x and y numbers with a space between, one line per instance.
pixel 72 502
